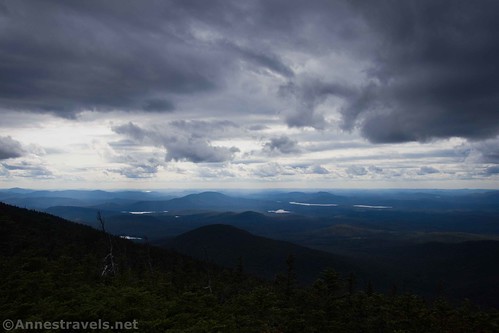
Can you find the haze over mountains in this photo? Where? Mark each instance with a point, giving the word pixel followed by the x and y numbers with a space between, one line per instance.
pixel 258 200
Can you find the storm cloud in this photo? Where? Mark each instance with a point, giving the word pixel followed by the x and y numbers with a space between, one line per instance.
pixel 131 130
pixel 138 169
pixel 356 170
pixel 180 142
pixel 28 169
pixel 10 148
pixel 436 72
pixel 486 151
pixel 281 145
pixel 65 57
pixel 263 89
pixel 196 150
pixel 427 170
pixel 430 69
pixel 491 171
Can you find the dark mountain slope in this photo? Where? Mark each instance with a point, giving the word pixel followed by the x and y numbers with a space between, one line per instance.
pixel 50 270
pixel 28 231
pixel 459 270
pixel 266 225
pixel 226 245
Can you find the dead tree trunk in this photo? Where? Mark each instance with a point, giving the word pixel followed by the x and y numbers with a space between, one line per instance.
pixel 109 265
pixel 207 271
pixel 148 248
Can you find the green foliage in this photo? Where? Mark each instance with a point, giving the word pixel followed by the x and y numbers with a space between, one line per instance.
pixel 50 270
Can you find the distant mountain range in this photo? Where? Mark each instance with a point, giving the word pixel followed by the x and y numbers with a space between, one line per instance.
pixel 209 201
pixel 303 203
pixel 45 199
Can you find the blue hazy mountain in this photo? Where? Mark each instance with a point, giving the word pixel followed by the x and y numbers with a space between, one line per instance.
pixel 209 201
pixel 45 199
pixel 305 203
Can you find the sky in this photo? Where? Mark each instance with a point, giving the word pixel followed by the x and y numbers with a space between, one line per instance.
pixel 257 94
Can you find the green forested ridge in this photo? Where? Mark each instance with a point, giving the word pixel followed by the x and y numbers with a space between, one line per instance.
pixel 50 269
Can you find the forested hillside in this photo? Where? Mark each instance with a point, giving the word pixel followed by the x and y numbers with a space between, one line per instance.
pixel 52 269
pixel 229 246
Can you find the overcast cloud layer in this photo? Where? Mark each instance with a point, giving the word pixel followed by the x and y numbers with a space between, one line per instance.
pixel 386 93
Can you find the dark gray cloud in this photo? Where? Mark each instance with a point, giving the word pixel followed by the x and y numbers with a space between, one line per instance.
pixel 308 94
pixel 491 171
pixel 490 155
pixel 131 130
pixel 257 127
pixel 430 68
pixel 486 151
pixel 184 141
pixel 10 148
pixel 433 73
pixel 436 70
pixel 125 144
pixel 281 145
pixel 27 169
pixel 375 169
pixel 158 105
pixel 63 57
pixel 356 170
pixel 273 169
pixel 310 169
pixel 261 59
pixel 191 141
pixel 427 170
pixel 145 169
pixel 197 150
pixel 205 128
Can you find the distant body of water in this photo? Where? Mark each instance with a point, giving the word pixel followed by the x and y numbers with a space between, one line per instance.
pixel 373 207
pixel 148 212
pixel 279 211
pixel 312 204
